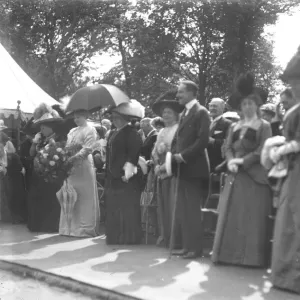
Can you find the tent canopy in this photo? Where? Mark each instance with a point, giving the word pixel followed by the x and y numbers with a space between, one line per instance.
pixel 17 85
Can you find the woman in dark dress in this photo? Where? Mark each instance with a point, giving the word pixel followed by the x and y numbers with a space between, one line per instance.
pixel 16 185
pixel 123 190
pixel 5 214
pixel 286 242
pixel 246 200
pixel 43 206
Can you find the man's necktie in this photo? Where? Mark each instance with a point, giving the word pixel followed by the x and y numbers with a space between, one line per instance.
pixel 183 115
pixel 212 126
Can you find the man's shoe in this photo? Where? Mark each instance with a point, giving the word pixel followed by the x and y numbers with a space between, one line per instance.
pixel 191 255
pixel 181 252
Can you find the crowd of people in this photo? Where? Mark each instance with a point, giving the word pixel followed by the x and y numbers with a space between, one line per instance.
pixel 165 164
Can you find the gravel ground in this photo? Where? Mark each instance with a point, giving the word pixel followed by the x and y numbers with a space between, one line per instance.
pixel 13 287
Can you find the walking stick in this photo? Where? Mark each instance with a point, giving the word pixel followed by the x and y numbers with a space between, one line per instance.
pixel 174 213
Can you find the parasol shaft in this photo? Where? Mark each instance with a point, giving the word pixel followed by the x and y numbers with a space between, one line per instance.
pixel 171 246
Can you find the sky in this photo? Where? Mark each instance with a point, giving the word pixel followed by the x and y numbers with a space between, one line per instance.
pixel 285 35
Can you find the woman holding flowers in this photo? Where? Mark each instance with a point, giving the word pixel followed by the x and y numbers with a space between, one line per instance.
pixel 169 109
pixel 43 207
pixel 83 217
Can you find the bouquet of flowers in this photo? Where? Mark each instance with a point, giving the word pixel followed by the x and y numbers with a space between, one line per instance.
pixel 50 162
pixel 72 157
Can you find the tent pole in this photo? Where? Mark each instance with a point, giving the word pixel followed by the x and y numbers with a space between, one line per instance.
pixel 18 126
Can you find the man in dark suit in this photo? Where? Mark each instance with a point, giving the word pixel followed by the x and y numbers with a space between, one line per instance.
pixel 218 132
pixel 190 155
pixel 150 134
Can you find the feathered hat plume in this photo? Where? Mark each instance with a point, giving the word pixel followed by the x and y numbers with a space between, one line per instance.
pixel 59 109
pixel 245 86
pixel 41 110
pixel 168 95
pixel 45 114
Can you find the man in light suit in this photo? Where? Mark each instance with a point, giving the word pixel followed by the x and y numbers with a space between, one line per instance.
pixel 190 154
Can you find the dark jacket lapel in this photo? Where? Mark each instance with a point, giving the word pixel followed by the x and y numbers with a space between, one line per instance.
pixel 187 118
pixel 149 136
pixel 217 124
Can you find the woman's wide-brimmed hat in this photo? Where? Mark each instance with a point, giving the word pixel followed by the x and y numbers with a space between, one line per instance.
pixel 133 109
pixel 45 114
pixel 244 87
pixel 292 70
pixel 2 126
pixel 167 100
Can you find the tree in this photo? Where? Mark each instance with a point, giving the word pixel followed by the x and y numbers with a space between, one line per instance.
pixel 53 40
pixel 159 42
pixel 209 43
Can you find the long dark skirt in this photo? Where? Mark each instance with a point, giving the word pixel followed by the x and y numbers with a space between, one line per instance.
pixel 43 206
pixel 123 212
pixel 17 196
pixel 286 244
pixel 241 235
pixel 5 213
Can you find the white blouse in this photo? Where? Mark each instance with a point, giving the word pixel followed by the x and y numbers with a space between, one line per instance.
pixel 86 136
pixel 164 140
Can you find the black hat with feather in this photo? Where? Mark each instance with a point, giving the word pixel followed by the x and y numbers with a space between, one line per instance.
pixel 67 124
pixel 245 87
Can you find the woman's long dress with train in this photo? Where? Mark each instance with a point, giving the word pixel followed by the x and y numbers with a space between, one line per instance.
pixel 286 242
pixel 85 216
pixel 246 200
pixel 165 184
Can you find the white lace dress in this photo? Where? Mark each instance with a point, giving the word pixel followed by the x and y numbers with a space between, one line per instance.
pixel 85 217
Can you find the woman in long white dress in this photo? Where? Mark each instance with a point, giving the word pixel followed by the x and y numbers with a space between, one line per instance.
pixel 85 215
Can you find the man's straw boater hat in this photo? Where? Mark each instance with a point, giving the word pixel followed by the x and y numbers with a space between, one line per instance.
pixel 45 114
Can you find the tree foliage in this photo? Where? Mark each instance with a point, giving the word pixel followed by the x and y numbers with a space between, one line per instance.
pixel 52 40
pixel 159 43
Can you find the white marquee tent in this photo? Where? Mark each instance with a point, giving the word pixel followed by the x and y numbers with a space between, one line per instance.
pixel 16 85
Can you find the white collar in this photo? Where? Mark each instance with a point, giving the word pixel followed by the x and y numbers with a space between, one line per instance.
pixel 190 104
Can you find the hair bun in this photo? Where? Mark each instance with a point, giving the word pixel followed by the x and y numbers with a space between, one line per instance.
pixel 168 95
pixel 245 84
